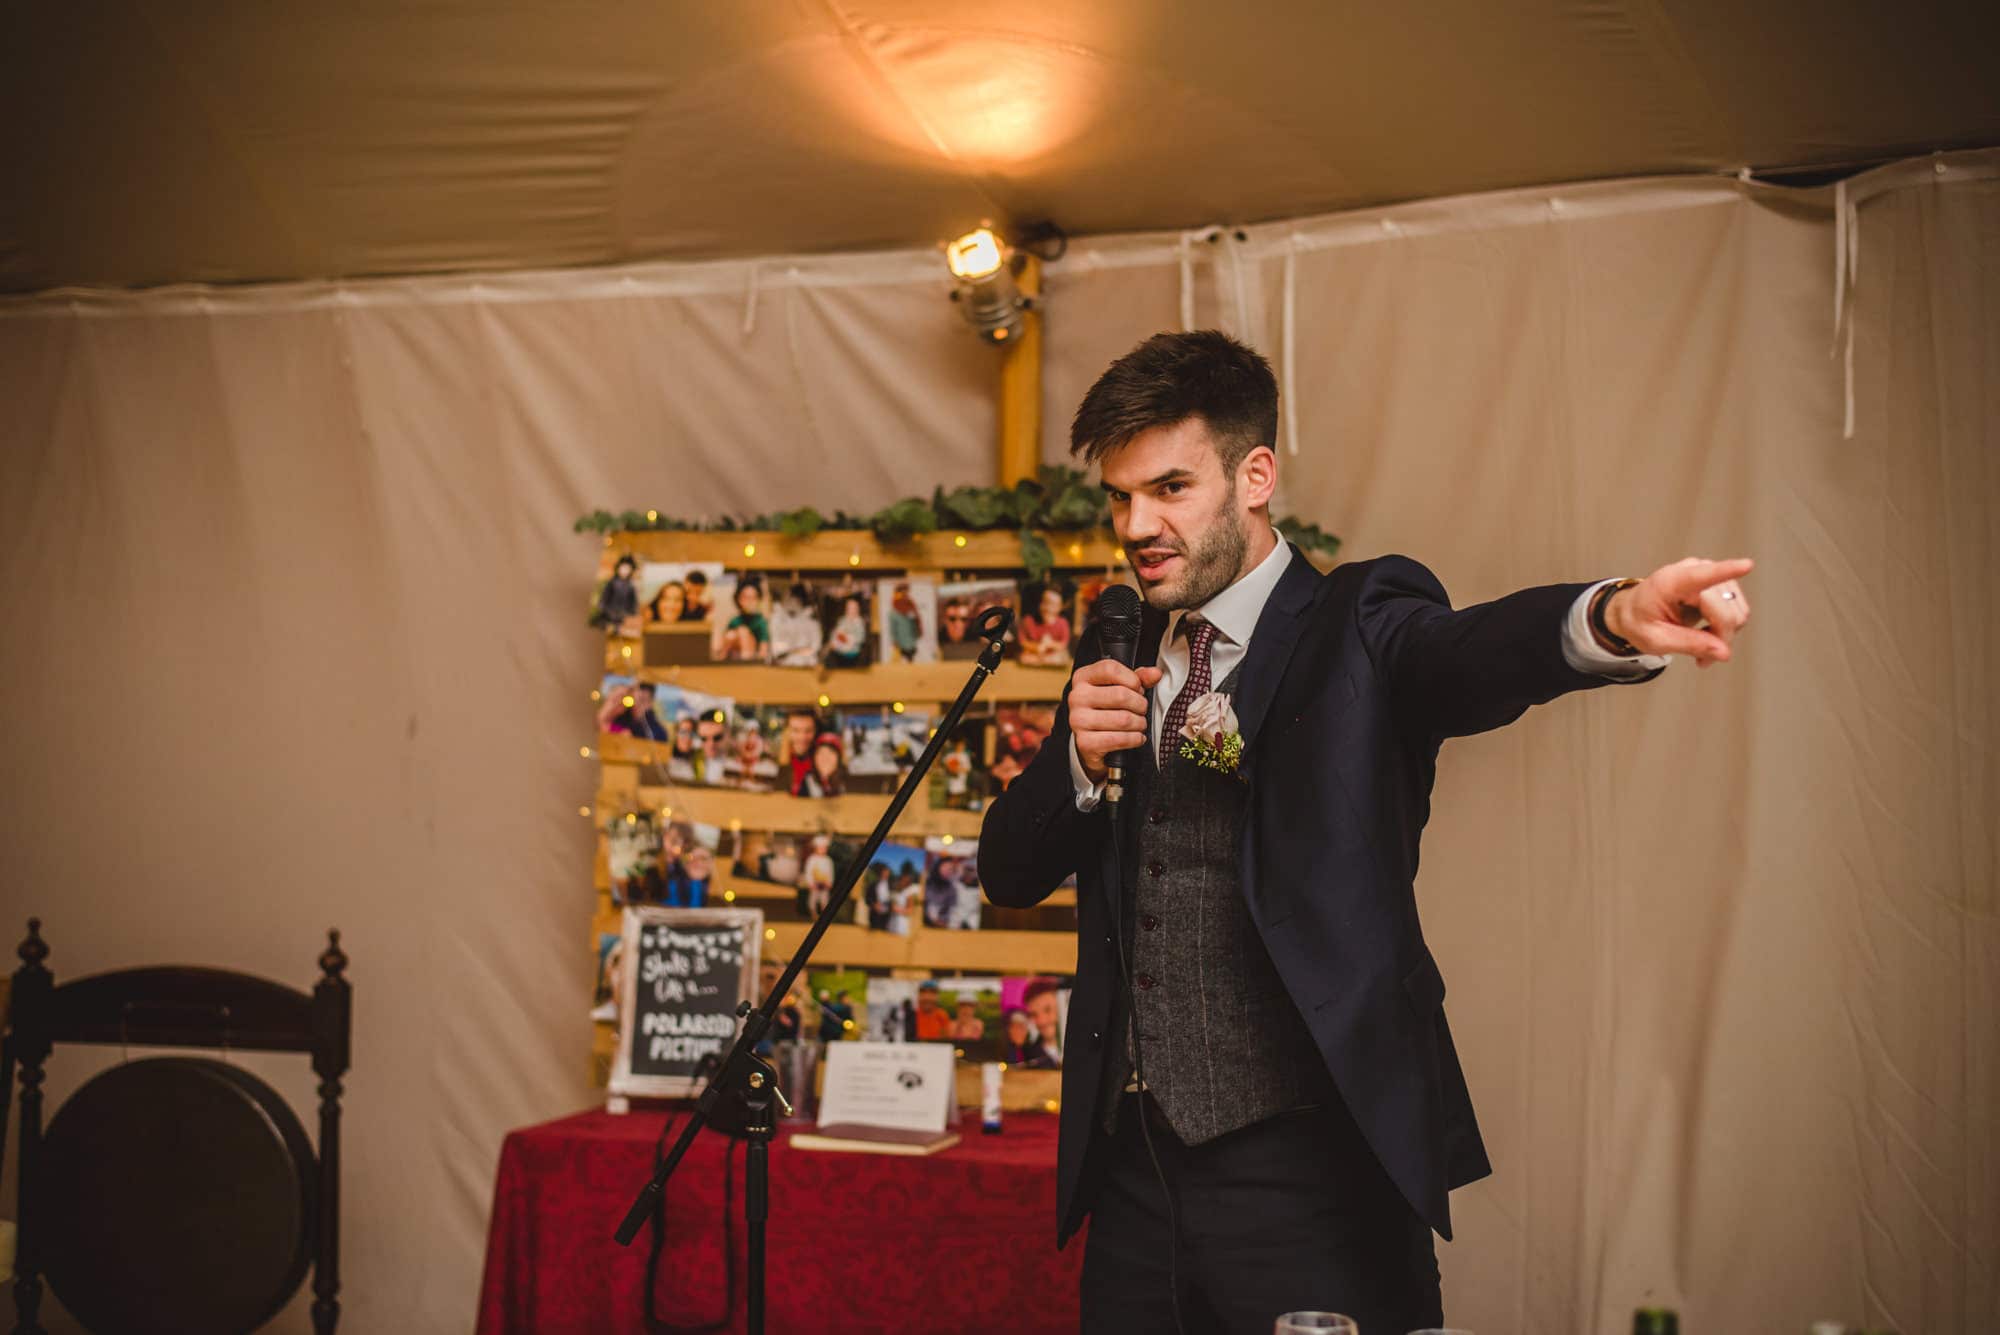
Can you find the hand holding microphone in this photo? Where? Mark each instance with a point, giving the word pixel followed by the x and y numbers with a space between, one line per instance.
pixel 1107 698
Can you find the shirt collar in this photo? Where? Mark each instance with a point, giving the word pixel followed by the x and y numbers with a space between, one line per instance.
pixel 1235 610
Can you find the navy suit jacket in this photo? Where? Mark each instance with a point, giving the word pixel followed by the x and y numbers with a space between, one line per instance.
pixel 1352 681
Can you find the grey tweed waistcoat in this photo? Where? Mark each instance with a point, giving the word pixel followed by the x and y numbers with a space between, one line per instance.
pixel 1221 1043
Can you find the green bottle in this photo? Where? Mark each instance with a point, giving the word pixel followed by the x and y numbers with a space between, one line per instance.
pixel 1656 1321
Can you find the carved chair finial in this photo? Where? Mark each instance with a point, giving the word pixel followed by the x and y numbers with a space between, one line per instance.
pixel 332 960
pixel 34 950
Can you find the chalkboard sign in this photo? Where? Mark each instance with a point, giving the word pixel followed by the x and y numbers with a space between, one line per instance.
pixel 681 975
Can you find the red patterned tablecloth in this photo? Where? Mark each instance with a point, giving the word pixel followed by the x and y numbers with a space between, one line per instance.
pixel 962 1241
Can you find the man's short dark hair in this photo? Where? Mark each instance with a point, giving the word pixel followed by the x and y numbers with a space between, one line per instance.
pixel 1172 377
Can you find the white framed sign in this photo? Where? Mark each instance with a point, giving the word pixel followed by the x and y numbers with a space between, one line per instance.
pixel 682 975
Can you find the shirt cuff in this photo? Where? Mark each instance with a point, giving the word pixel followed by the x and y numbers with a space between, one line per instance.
pixel 1581 650
pixel 1088 794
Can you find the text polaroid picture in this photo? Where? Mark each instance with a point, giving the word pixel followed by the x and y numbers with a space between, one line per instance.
pixel 1018 733
pixel 1044 630
pixel 890 895
pixel 797 638
pixel 951 883
pixel 909 619
pixel 959 606
pixel 845 614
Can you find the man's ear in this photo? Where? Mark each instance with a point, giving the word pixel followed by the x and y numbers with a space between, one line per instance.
pixel 1257 476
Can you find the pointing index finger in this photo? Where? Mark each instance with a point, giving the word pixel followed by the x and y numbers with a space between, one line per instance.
pixel 1691 577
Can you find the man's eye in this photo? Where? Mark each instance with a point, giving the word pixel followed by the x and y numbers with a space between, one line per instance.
pixel 1173 488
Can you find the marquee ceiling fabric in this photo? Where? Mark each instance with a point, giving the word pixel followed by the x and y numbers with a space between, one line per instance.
pixel 239 142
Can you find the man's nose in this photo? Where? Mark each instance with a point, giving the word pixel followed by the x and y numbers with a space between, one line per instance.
pixel 1141 525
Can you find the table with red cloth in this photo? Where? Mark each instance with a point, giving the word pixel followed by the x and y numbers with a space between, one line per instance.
pixel 960 1241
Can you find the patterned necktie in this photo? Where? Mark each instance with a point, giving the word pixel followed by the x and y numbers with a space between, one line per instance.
pixel 1198 684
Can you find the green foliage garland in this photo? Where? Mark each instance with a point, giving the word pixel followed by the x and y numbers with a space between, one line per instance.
pixel 1060 500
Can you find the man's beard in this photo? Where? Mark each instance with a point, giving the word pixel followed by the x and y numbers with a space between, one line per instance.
pixel 1212 566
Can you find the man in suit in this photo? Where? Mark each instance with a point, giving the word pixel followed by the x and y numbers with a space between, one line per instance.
pixel 1261 1102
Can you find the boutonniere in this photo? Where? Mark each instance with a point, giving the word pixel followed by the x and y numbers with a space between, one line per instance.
pixel 1209 737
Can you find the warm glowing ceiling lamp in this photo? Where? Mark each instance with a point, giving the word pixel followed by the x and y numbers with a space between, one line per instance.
pixel 983 267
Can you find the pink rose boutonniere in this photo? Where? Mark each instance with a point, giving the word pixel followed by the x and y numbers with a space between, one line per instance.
pixel 1209 737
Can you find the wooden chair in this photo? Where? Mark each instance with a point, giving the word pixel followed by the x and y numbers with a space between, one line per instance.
pixel 185 1008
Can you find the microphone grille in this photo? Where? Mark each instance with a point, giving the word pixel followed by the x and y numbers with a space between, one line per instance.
pixel 1118 604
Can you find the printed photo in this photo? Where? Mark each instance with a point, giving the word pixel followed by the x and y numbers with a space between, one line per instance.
pixel 700 732
pixel 958 776
pixel 1044 628
pixel 688 858
pixel 673 593
pixel 797 639
pixel 959 606
pixel 881 746
pixel 1018 734
pixel 951 883
pixel 633 852
pixel 844 613
pixel 972 1011
pixel 826 769
pixel 616 608
pixel 1035 1014
pixel 892 1009
pixel 740 628
pixel 630 708
pixel 752 763
pixel 808 864
pixel 840 997
pixel 604 998
pixel 909 620
pixel 799 726
pixel 889 897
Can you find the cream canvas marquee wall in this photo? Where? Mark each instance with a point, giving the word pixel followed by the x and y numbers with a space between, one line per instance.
pixel 294 637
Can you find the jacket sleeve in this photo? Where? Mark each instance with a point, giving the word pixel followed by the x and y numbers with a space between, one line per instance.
pixel 1454 673
pixel 1033 837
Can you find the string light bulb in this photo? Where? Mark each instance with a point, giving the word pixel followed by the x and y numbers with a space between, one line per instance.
pixel 749 549
pixel 729 896
pixel 958 540
pixel 897 706
pixel 770 934
pixel 628 702
pixel 1119 554
pixel 652 516
pixel 824 699
pixel 625 651
pixel 583 811
pixel 597 695
pixel 584 751
pixel 946 841
pixel 854 558
pixel 631 818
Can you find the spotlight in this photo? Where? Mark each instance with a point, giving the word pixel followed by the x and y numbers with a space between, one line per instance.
pixel 982 267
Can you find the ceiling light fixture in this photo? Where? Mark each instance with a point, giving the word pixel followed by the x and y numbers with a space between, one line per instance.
pixel 982 270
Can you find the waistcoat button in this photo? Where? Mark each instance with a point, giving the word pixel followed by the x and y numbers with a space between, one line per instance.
pixel 1156 816
pixel 1156 869
pixel 1149 922
pixel 1145 982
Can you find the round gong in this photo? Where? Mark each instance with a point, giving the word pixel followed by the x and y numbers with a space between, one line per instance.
pixel 176 1194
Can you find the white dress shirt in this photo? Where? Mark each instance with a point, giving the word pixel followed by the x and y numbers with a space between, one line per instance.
pixel 1234 613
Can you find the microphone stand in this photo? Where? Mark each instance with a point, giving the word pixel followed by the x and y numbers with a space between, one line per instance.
pixel 737 1101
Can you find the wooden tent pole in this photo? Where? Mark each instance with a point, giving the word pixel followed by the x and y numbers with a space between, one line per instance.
pixel 1021 386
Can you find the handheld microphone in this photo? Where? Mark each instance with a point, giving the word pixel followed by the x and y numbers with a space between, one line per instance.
pixel 1118 636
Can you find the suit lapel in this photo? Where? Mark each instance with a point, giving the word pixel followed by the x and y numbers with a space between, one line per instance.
pixel 1271 645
